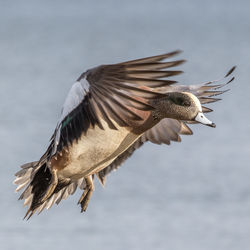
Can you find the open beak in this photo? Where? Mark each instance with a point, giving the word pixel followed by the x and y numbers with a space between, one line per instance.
pixel 201 118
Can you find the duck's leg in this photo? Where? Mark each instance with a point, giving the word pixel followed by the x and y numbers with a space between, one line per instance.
pixel 88 190
pixel 52 186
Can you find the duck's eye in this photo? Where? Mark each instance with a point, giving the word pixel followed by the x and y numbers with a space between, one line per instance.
pixel 180 101
pixel 186 103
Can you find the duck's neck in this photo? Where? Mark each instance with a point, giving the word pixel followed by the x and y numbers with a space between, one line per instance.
pixel 162 110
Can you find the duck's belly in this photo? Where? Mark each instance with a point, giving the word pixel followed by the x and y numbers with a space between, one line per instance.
pixel 96 150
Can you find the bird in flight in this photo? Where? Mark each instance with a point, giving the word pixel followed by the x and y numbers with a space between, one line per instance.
pixel 109 112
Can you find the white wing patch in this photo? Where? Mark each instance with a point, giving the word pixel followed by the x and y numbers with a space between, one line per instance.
pixel 75 96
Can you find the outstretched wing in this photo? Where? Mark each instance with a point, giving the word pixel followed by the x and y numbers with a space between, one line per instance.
pixel 104 93
pixel 168 130
pixel 206 92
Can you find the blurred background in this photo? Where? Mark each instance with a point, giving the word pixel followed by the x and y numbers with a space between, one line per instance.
pixel 190 195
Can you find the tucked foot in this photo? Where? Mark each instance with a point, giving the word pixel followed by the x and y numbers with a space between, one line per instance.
pixel 88 190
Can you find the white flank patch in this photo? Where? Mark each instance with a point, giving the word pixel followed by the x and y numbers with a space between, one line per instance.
pixel 96 149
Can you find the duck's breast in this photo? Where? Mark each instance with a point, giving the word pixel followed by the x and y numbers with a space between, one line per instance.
pixel 96 150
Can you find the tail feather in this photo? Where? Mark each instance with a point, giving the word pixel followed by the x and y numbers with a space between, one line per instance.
pixel 40 184
pixel 24 174
pixel 37 178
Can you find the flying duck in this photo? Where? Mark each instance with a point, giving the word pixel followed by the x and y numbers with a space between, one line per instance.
pixel 109 112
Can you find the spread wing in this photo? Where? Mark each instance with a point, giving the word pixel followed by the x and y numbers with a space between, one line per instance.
pixel 104 93
pixel 206 92
pixel 168 130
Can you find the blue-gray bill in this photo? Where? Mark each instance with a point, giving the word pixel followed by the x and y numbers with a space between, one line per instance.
pixel 201 118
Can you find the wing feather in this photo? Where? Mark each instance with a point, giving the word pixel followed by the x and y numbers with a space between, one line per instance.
pixel 111 93
pixel 168 130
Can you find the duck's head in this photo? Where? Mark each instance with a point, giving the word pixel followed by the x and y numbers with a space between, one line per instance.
pixel 187 107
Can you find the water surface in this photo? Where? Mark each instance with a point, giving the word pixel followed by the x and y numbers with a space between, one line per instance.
pixel 193 195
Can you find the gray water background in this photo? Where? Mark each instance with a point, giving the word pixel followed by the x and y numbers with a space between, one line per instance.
pixel 190 195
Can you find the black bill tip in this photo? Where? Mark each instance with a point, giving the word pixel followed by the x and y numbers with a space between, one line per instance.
pixel 213 125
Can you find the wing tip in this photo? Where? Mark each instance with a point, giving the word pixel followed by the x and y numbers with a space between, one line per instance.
pixel 176 52
pixel 230 71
